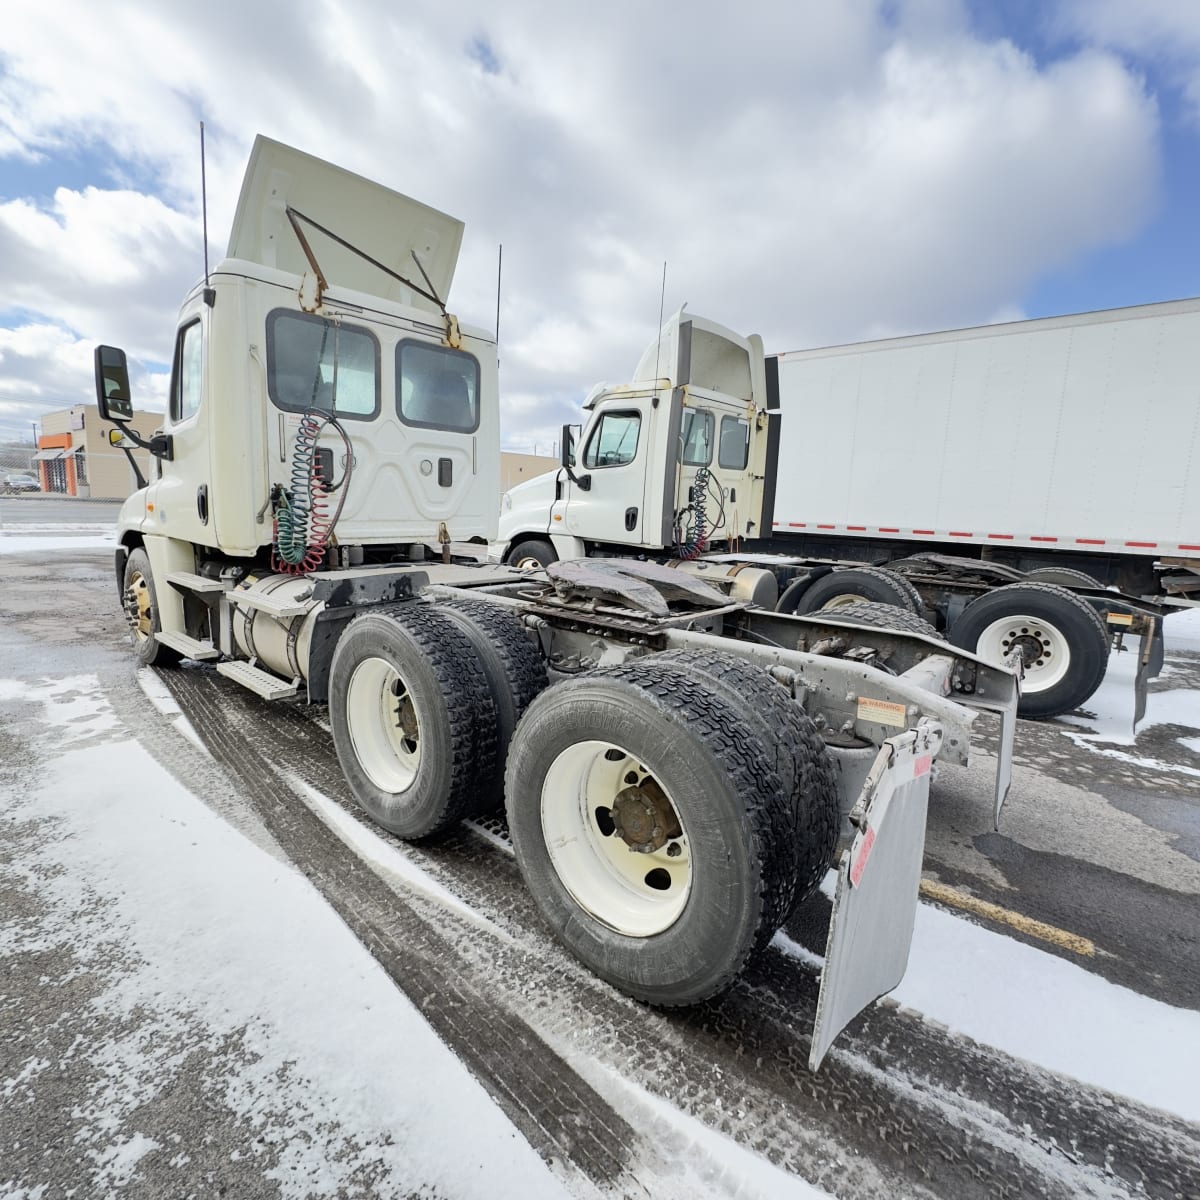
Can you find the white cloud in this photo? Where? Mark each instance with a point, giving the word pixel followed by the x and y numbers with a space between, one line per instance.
pixel 810 171
pixel 1165 34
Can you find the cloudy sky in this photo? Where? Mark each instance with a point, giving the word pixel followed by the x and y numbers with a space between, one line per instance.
pixel 813 171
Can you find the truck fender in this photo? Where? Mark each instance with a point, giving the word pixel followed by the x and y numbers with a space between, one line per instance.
pixel 789 599
pixel 568 547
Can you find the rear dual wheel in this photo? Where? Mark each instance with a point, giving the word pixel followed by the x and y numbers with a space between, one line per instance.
pixel 655 831
pixel 423 701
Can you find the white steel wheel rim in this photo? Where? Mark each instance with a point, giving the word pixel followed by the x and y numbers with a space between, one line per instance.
pixel 386 738
pixel 634 893
pixel 845 598
pixel 528 562
pixel 1051 661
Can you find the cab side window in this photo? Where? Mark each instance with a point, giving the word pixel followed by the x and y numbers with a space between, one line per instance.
pixel 614 441
pixel 187 375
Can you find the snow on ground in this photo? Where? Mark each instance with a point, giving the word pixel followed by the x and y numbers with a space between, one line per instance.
pixel 27 543
pixel 1111 706
pixel 966 977
pixel 261 960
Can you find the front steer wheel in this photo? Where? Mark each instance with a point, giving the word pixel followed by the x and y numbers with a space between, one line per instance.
pixel 1063 641
pixel 414 723
pixel 139 599
pixel 648 830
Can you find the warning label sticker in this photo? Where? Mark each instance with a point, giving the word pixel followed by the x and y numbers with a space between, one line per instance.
pixel 1120 618
pixel 881 712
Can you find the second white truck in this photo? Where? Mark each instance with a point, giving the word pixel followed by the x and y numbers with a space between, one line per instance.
pixel 1031 485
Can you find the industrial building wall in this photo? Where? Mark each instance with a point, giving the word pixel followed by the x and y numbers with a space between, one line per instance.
pixel 516 468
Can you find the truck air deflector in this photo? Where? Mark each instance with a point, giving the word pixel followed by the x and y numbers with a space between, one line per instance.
pixel 875 904
pixel 384 224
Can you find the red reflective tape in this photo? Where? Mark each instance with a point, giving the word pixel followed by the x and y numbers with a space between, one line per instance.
pixel 959 533
pixel 1089 541
pixel 921 765
pixel 928 531
pixel 1185 546
pixel 1143 545
pixel 774 522
pixel 826 526
pixel 1039 538
pixel 857 528
pixel 795 524
pixel 887 529
pixel 1007 537
pixel 864 852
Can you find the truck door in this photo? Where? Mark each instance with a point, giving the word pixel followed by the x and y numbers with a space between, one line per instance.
pixel 183 496
pixel 614 457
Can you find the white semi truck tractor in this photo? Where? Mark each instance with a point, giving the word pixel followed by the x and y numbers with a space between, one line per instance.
pixel 1034 484
pixel 679 766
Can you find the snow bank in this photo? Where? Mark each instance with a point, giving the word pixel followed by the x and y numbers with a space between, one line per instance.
pixel 25 543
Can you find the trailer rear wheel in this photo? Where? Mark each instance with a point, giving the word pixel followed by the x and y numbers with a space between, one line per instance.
pixel 856 584
pixel 648 830
pixel 515 672
pixel 139 598
pixel 531 553
pixel 1065 642
pixel 414 723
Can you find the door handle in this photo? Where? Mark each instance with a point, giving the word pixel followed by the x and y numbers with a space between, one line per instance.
pixel 202 503
pixel 630 519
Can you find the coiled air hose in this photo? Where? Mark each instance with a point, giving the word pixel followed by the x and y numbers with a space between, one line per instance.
pixel 302 523
pixel 697 535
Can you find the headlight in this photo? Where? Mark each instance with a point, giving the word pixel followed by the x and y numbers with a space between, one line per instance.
pixel 506 502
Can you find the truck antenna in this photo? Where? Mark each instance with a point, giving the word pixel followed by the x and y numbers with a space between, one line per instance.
pixel 210 296
pixel 662 299
pixel 499 269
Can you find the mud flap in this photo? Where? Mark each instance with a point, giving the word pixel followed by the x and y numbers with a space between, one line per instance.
pixel 1149 666
pixel 875 905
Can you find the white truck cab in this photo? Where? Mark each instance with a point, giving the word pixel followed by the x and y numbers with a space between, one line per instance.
pixel 296 322
pixel 674 458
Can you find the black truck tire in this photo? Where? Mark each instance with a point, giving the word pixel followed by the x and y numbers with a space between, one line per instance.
pixel 675 921
pixel 531 553
pixel 795 747
pixel 1067 640
pixel 139 599
pixel 879 616
pixel 414 723
pixel 515 670
pixel 856 584
pixel 1064 577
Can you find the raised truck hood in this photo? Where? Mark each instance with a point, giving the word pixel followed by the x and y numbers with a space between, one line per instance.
pixel 382 223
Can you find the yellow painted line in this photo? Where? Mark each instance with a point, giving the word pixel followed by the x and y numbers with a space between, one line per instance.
pixel 1027 925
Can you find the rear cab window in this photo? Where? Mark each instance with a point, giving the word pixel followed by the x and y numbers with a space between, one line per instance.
pixel 315 363
pixel 437 387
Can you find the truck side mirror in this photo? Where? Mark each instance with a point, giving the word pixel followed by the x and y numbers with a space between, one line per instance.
pixel 566 458
pixel 113 397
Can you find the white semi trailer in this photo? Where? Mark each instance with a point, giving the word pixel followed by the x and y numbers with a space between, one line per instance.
pixel 679 767
pixel 1033 484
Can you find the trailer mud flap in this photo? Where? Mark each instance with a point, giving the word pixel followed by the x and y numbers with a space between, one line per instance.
pixel 1151 654
pixel 875 905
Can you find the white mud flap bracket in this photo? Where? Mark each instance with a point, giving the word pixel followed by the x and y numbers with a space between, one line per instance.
pixel 875 906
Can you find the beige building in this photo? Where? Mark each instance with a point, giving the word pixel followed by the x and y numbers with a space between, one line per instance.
pixel 516 468
pixel 75 459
